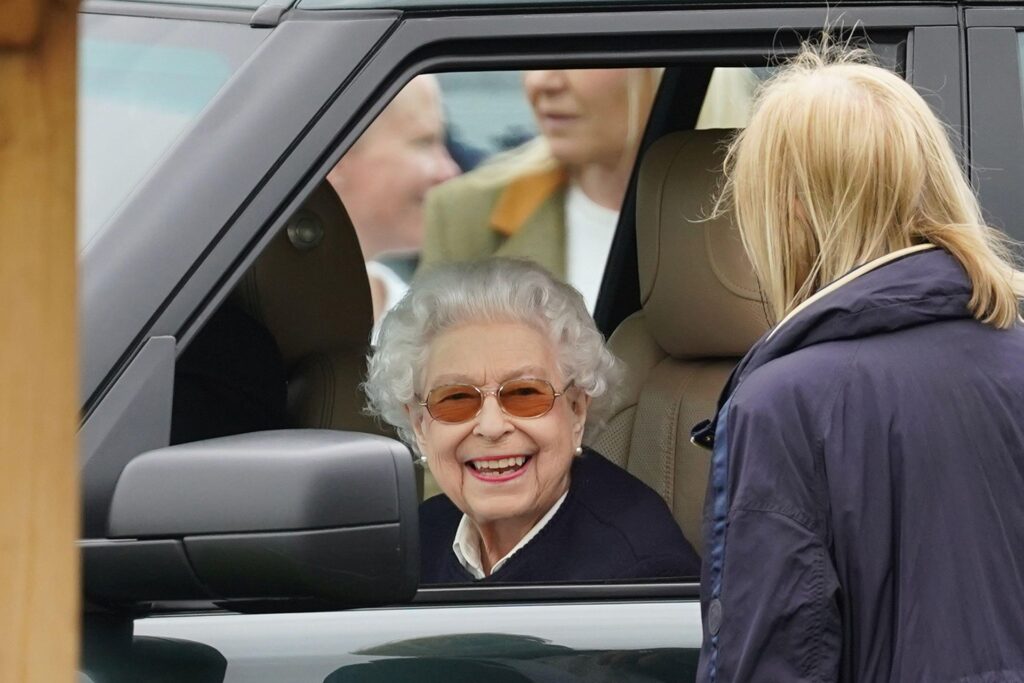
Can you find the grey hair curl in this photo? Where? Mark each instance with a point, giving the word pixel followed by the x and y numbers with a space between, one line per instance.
pixel 490 290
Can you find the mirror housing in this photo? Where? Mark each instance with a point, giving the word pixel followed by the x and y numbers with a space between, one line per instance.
pixel 318 516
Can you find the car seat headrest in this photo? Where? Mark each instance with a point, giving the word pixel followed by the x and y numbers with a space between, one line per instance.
pixel 309 286
pixel 697 287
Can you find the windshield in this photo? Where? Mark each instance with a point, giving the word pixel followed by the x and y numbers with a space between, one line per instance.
pixel 141 83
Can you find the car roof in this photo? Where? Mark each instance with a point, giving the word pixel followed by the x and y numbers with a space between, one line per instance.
pixel 621 4
pixel 439 4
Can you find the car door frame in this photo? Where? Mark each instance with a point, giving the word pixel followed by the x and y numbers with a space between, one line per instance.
pixel 152 266
pixel 431 41
pixel 996 113
pixel 243 140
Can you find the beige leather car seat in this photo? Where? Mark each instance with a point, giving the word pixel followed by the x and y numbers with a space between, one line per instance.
pixel 701 311
pixel 309 289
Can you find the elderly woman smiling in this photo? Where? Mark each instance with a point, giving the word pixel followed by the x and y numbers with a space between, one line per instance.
pixel 490 370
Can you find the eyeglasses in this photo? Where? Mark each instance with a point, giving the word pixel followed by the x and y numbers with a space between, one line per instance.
pixel 525 397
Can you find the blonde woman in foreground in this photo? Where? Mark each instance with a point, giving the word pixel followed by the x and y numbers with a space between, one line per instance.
pixel 865 515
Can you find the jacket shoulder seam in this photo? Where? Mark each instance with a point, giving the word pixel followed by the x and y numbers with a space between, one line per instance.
pixel 790 512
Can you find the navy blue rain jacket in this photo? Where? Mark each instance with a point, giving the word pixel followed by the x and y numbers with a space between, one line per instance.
pixel 865 512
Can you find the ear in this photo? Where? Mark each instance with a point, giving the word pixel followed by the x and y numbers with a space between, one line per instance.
pixel 579 406
pixel 416 416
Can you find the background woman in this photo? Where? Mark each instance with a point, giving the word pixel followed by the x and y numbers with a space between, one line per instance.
pixel 864 520
pixel 491 371
pixel 556 199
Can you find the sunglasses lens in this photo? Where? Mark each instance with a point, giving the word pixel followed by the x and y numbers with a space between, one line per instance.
pixel 453 403
pixel 527 397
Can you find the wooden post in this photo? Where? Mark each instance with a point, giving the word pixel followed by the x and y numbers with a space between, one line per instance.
pixel 39 603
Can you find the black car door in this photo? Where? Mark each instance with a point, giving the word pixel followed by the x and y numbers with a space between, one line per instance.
pixel 254 154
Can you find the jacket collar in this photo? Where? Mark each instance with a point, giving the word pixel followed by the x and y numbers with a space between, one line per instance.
pixel 522 197
pixel 846 279
pixel 909 287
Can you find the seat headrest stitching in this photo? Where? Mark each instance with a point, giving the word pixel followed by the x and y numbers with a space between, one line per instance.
pixel 723 277
pixel 682 390
pixel 657 240
pixel 667 446
pixel 620 413
pixel 629 424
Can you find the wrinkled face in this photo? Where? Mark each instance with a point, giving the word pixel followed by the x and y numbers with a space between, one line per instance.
pixel 384 178
pixel 583 113
pixel 465 458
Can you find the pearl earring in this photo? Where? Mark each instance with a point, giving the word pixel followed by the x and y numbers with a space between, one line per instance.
pixel 579 450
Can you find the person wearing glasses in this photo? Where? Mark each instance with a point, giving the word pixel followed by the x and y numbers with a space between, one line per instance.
pixel 492 371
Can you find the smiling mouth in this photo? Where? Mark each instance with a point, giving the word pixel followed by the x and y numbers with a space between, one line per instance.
pixel 498 468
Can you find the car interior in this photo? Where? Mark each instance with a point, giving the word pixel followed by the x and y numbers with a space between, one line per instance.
pixel 700 312
pixel 697 313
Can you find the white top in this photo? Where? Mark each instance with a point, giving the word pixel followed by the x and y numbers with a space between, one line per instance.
pixel 466 545
pixel 394 289
pixel 589 229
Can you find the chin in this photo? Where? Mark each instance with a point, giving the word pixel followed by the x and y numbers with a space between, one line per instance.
pixel 495 514
pixel 571 159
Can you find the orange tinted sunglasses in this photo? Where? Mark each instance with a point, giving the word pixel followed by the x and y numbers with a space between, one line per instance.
pixel 523 397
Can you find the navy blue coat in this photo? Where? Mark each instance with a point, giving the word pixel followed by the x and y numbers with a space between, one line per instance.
pixel 610 526
pixel 865 512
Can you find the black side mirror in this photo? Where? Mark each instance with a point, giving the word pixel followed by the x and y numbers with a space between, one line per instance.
pixel 296 515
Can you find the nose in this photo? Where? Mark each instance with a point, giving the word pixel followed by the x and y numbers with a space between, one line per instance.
pixel 544 80
pixel 492 423
pixel 444 167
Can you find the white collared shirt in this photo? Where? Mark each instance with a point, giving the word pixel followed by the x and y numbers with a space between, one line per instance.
pixel 466 545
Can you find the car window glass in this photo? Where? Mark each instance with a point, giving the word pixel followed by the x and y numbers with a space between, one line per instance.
pixel 487 109
pixel 503 163
pixel 141 83
pixel 437 128
pixel 475 135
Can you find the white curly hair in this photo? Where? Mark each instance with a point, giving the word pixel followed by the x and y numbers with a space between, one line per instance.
pixel 489 290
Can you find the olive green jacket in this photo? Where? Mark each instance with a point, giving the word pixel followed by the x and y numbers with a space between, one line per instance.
pixel 471 217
